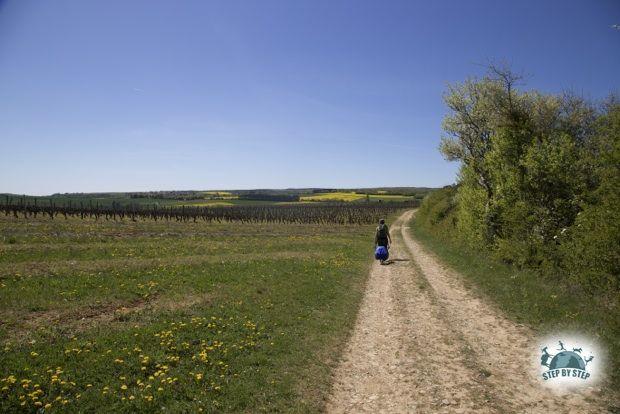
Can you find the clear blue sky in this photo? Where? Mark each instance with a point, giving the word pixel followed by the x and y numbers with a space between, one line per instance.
pixel 154 95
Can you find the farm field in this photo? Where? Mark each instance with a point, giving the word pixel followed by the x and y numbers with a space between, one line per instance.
pixel 232 201
pixel 354 196
pixel 187 317
pixel 220 198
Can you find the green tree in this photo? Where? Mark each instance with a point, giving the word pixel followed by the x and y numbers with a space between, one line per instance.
pixel 592 248
pixel 539 175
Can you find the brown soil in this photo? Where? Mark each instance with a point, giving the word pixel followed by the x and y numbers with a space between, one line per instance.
pixel 83 318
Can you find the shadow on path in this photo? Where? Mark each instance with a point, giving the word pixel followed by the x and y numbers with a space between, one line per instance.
pixel 390 261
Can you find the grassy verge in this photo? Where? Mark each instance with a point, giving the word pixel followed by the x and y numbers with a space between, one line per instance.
pixel 545 305
pixel 185 317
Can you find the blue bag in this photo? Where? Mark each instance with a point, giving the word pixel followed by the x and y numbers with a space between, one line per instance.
pixel 381 253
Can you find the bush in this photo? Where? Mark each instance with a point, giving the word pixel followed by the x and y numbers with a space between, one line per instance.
pixel 539 180
pixel 591 250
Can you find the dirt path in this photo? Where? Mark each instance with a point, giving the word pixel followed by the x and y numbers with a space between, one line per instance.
pixel 423 343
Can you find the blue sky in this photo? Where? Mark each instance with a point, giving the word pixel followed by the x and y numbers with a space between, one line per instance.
pixel 156 95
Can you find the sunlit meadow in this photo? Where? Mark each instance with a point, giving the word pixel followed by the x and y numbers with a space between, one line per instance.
pixel 142 316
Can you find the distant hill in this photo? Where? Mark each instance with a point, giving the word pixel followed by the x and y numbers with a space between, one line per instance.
pixel 226 197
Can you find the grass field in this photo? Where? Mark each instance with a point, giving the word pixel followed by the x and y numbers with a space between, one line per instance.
pixel 183 317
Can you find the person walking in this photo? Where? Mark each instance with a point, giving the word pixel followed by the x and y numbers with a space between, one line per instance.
pixel 382 236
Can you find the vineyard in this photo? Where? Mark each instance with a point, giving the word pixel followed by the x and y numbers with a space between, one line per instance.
pixel 324 213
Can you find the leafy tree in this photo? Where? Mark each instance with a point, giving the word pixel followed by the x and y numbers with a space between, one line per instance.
pixel 592 248
pixel 539 177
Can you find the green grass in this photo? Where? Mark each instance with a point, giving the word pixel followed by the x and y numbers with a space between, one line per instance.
pixel 143 316
pixel 524 295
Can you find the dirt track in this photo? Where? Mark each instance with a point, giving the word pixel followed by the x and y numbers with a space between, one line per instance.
pixel 424 343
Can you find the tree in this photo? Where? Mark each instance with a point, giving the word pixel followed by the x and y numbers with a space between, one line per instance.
pixel 479 109
pixel 529 164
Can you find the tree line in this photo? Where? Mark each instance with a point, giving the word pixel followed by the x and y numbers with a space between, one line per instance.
pixel 539 181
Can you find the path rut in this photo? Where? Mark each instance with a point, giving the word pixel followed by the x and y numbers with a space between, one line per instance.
pixel 423 343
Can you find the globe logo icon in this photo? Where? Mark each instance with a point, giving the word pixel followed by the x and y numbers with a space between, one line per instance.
pixel 565 363
pixel 567 359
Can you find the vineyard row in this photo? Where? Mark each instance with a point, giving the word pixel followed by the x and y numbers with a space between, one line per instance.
pixel 334 213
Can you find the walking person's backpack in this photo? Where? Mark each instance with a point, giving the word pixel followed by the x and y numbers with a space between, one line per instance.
pixel 382 232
